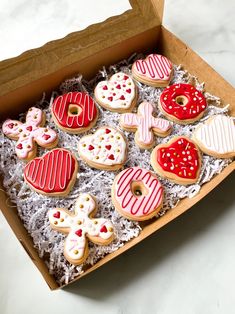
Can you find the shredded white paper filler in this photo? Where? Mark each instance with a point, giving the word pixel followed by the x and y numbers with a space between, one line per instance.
pixel 33 208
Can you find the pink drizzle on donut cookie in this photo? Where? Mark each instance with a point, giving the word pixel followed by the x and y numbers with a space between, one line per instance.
pixel 52 172
pixel 192 105
pixel 86 110
pixel 130 203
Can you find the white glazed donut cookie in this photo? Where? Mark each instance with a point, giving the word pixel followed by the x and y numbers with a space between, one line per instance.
pixel 137 194
pixel 81 226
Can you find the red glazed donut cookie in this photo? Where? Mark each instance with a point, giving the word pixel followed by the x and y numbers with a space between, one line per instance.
pixel 182 103
pixel 74 112
pixel 137 194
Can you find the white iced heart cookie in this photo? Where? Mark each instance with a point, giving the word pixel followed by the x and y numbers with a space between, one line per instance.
pixel 106 149
pixel 216 137
pixel 118 94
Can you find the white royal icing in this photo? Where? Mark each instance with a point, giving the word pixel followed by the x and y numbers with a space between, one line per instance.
pixel 217 134
pixel 80 226
pixel 118 92
pixel 106 146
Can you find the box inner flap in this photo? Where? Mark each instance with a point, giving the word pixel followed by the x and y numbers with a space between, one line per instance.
pixel 57 54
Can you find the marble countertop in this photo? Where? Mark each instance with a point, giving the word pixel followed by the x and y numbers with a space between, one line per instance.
pixel 185 268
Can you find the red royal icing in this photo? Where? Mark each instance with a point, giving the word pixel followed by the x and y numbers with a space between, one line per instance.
pixel 60 109
pixel 46 136
pixel 57 215
pixel 19 146
pixel 52 172
pixel 79 232
pixel 29 128
pixel 103 229
pixel 196 102
pixel 181 157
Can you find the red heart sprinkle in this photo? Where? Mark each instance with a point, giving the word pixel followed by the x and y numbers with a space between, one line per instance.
pixel 128 90
pixel 118 86
pixel 57 215
pixel 90 147
pixel 111 157
pixel 103 229
pixel 10 125
pixel 19 146
pixel 107 131
pixel 122 97
pixel 108 147
pixel 105 87
pixel 124 85
pixel 78 232
pixel 29 128
pixel 114 94
pixel 126 77
pixel 110 98
pixel 46 136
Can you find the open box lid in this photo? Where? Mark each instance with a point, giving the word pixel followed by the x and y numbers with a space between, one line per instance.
pixel 36 63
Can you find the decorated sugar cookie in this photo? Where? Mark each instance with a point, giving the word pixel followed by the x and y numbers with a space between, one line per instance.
pixel 29 133
pixel 53 174
pixel 182 103
pixel 145 125
pixel 216 136
pixel 155 70
pixel 105 149
pixel 74 112
pixel 137 194
pixel 118 94
pixel 81 227
pixel 179 160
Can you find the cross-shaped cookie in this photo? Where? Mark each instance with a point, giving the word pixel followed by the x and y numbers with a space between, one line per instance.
pixel 29 133
pixel 81 226
pixel 145 125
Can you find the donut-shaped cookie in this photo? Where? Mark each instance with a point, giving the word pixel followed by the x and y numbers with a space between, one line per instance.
pixel 74 112
pixel 137 194
pixel 182 103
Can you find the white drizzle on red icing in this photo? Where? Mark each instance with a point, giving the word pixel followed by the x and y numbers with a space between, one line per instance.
pixel 145 122
pixel 217 134
pixel 52 172
pixel 130 203
pixel 118 92
pixel 60 109
pixel 29 132
pixel 79 226
pixel 106 146
pixel 196 102
pixel 154 67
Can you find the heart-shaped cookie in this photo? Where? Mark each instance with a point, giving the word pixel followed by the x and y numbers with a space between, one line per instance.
pixel 216 137
pixel 179 160
pixel 105 149
pixel 53 174
pixel 155 70
pixel 118 94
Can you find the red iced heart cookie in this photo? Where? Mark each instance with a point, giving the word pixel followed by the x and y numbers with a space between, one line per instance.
pixel 53 174
pixel 179 160
pixel 155 70
pixel 118 94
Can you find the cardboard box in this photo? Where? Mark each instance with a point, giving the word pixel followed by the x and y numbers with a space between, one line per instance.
pixel 25 78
